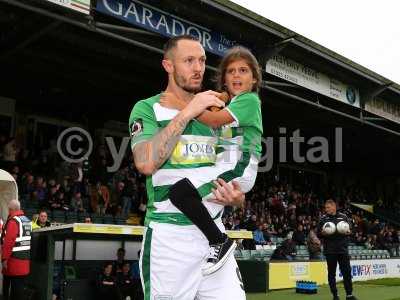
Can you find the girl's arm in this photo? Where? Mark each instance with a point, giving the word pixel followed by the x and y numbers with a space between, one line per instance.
pixel 216 119
pixel 213 119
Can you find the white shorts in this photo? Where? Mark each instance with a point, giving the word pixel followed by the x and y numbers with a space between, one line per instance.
pixel 171 260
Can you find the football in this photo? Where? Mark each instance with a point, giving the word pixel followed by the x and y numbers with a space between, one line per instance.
pixel 329 228
pixel 343 227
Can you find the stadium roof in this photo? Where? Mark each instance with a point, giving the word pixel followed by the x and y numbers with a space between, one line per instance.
pixel 301 41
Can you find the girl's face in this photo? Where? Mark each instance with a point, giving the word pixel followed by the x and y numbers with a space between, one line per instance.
pixel 239 77
pixel 108 270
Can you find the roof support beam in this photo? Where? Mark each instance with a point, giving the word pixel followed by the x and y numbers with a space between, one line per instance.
pixel 90 26
pixel 370 95
pixel 275 49
pixel 37 35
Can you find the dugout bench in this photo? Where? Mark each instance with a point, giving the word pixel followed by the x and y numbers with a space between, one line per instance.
pixel 67 257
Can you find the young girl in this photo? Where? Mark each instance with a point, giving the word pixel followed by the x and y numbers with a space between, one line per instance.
pixel 239 130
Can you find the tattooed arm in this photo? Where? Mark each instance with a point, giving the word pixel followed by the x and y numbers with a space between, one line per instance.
pixel 150 154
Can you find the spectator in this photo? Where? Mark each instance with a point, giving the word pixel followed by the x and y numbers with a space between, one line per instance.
pixel 42 220
pixel 314 245
pixel 286 251
pixel 236 224
pixel 251 225
pixel 77 202
pixel 62 201
pixel 88 220
pixel 40 192
pixel 100 198
pixel 125 282
pixel 131 192
pixel 52 199
pixel 107 285
pixel 369 244
pixel 136 278
pixel 116 199
pixel 358 239
pixel 381 242
pixel 258 236
pixel 15 257
pixel 298 236
pixel 77 177
pixel 28 186
pixel 267 236
pixel 10 152
pixel 375 228
pixel 119 263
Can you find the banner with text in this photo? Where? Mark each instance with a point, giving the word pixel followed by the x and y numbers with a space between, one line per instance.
pixel 82 6
pixel 156 20
pixel 304 76
pixel 372 269
pixel 284 275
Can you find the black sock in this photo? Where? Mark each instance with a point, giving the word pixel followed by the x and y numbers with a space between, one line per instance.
pixel 186 198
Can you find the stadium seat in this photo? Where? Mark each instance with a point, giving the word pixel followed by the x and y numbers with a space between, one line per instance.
pixel 97 219
pixel 120 221
pixel 108 219
pixel 246 254
pixel 58 216
pixel 29 212
pixel 267 252
pixel 71 217
pixel 255 254
pixel 238 254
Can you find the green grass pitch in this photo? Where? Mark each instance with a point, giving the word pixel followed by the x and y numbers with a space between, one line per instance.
pixel 382 289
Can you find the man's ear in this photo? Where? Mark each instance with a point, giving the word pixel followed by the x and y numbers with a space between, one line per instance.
pixel 168 66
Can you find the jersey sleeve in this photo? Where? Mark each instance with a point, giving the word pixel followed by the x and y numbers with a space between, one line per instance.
pixel 142 123
pixel 244 109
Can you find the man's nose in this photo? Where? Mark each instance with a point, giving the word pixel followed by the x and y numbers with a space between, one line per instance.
pixel 197 66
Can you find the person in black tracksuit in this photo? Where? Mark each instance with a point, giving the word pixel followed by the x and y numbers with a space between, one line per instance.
pixel 336 250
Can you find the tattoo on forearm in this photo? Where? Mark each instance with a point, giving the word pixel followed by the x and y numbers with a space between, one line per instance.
pixel 164 142
pixel 160 147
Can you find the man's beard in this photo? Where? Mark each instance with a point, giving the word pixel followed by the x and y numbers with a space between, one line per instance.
pixel 182 83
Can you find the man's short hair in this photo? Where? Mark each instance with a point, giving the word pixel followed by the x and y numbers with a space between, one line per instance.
pixel 330 201
pixel 14 204
pixel 173 42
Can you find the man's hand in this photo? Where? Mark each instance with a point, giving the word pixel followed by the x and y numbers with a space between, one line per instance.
pixel 4 264
pixel 201 102
pixel 228 195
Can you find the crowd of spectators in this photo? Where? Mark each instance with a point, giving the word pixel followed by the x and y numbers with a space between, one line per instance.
pixel 273 209
pixel 280 211
pixel 47 182
pixel 120 279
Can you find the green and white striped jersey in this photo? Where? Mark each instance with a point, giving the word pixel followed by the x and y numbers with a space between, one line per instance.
pixel 247 129
pixel 196 152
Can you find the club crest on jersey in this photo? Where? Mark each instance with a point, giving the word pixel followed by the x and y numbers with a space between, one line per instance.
pixel 137 128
